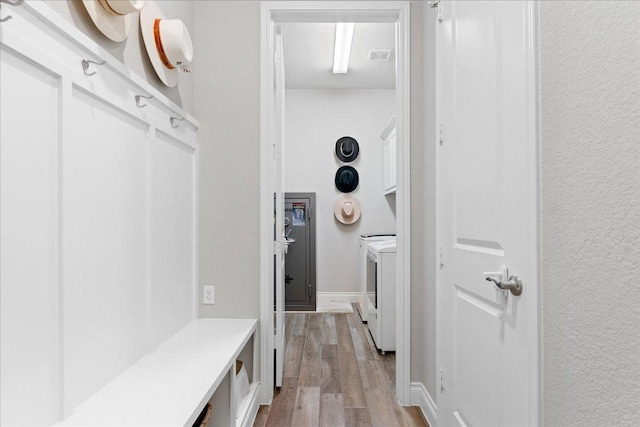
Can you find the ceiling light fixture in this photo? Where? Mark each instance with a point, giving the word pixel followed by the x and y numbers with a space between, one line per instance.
pixel 342 48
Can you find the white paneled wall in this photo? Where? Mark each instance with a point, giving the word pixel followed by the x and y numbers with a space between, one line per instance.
pixel 103 244
pixel 29 137
pixel 171 225
pixel 98 218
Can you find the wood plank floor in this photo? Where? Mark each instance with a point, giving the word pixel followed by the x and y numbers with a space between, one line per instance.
pixel 334 376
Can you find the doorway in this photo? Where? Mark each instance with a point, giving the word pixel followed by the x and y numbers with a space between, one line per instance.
pixel 300 260
pixel 271 158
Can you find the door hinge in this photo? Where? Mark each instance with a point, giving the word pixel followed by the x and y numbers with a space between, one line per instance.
pixel 310 293
pixel 309 213
pixel 443 256
pixel 277 341
pixel 440 134
pixel 276 58
pixel 441 379
pixel 437 5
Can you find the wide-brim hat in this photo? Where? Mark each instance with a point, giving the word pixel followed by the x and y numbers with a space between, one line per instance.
pixel 347 179
pixel 347 209
pixel 113 17
pixel 167 42
pixel 347 149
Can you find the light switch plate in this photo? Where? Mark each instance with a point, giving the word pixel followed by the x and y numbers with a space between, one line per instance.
pixel 209 294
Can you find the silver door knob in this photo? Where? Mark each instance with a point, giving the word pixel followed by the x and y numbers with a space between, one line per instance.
pixel 514 284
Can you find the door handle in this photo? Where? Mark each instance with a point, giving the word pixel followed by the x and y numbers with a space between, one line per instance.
pixel 514 284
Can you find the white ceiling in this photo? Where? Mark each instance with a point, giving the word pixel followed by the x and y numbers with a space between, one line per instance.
pixel 308 57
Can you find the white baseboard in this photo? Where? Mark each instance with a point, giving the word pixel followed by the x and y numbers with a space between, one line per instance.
pixel 347 297
pixel 421 397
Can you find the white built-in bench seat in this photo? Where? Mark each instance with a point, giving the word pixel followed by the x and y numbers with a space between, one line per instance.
pixel 172 385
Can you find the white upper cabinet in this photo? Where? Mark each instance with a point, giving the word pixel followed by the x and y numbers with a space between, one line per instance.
pixel 389 138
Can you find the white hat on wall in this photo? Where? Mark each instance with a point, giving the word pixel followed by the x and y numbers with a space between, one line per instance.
pixel 113 17
pixel 347 209
pixel 168 43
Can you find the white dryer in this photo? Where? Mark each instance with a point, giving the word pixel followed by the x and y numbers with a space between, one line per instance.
pixel 381 294
pixel 363 241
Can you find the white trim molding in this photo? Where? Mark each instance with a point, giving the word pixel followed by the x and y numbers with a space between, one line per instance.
pixel 341 297
pixel 267 339
pixel 421 397
pixel 254 405
pixel 276 12
pixel 403 204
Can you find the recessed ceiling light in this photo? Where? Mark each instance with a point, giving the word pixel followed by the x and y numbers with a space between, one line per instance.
pixel 342 48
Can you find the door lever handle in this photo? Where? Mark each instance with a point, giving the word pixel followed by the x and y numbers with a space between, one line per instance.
pixel 514 284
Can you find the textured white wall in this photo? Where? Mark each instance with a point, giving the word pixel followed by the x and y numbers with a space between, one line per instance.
pixel 423 206
pixel 131 51
pixel 590 195
pixel 227 103
pixel 314 120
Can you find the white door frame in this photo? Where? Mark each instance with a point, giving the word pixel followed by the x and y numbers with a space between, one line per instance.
pixel 334 11
pixel 535 319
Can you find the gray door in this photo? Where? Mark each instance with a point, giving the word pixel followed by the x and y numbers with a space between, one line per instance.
pixel 300 262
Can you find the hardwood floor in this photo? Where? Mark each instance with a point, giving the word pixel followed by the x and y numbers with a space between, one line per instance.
pixel 334 376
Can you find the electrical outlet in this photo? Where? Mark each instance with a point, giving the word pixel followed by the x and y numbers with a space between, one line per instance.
pixel 209 294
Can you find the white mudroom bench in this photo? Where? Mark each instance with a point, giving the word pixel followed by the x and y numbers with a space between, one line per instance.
pixel 173 384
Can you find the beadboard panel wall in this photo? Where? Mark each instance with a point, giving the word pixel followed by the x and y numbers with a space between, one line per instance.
pixel 98 217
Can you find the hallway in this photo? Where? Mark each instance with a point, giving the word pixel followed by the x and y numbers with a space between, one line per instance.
pixel 333 376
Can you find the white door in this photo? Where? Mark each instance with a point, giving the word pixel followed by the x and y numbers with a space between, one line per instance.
pixel 487 179
pixel 279 244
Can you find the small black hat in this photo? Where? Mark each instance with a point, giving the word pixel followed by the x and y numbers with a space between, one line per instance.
pixel 347 149
pixel 346 179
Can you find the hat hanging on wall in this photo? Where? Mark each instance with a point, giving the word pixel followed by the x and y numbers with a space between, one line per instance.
pixel 113 17
pixel 347 209
pixel 168 43
pixel 346 179
pixel 347 149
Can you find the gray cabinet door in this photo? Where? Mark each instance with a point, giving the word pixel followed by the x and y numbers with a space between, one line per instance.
pixel 300 261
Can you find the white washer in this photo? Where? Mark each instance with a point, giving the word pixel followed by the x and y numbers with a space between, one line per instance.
pixel 363 242
pixel 381 294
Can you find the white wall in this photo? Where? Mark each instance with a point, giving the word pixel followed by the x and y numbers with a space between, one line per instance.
pixel 227 103
pixel 314 120
pixel 590 195
pixel 131 51
pixel 423 200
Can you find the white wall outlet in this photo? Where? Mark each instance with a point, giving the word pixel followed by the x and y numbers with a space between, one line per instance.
pixel 209 294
